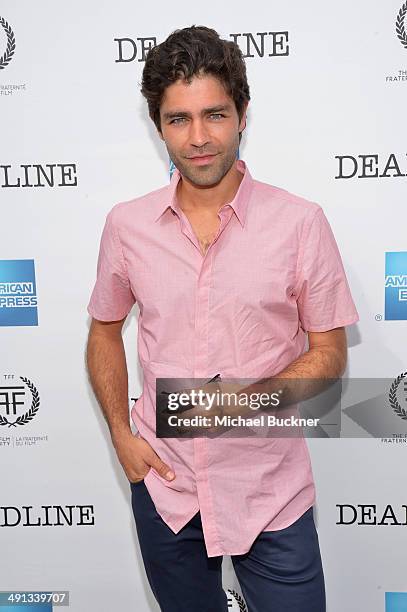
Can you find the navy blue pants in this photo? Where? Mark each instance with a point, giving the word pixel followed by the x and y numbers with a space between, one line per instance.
pixel 282 571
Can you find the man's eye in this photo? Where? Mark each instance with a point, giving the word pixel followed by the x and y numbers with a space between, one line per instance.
pixel 178 120
pixel 217 115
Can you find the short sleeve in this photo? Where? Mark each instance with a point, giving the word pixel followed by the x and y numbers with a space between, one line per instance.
pixel 324 299
pixel 112 298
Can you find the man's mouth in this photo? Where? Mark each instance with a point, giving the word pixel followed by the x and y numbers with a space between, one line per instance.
pixel 202 159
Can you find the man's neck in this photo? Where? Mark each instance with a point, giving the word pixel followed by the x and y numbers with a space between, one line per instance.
pixel 201 199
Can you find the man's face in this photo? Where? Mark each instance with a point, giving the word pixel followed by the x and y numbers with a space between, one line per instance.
pixel 200 127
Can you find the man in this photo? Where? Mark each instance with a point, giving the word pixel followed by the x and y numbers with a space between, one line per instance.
pixel 231 275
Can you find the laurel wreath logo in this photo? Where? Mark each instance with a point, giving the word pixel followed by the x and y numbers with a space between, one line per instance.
pixel 400 28
pixel 30 414
pixel 401 412
pixel 239 599
pixel 11 44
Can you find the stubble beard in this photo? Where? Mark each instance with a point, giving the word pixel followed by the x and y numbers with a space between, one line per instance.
pixel 205 176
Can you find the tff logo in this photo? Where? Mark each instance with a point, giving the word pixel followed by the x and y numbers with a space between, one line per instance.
pixel 10 43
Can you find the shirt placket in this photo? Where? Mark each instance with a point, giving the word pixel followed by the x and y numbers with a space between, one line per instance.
pixel 204 369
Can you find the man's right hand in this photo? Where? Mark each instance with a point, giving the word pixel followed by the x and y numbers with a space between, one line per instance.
pixel 137 457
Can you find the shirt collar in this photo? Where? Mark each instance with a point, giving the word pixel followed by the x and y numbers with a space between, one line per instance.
pixel 239 202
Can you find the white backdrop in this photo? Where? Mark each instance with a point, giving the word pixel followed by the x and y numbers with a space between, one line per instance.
pixel 64 99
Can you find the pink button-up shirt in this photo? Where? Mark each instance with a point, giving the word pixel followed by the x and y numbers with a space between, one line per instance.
pixel 272 273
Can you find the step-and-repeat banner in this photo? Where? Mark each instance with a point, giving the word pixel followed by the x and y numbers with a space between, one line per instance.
pixel 326 121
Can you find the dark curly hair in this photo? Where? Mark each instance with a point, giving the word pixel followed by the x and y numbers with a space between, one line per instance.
pixel 186 53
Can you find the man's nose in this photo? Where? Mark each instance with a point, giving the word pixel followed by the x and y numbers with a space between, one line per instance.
pixel 198 133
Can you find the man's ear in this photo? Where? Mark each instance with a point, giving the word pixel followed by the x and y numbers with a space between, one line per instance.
pixel 243 120
pixel 158 125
